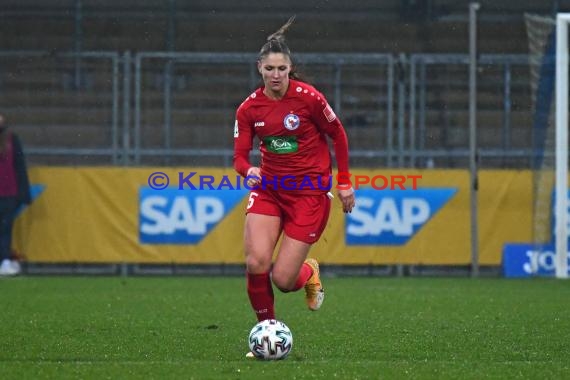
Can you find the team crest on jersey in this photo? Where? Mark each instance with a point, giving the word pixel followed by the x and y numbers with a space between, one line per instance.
pixel 291 122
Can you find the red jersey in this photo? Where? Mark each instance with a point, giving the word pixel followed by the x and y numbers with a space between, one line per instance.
pixel 292 133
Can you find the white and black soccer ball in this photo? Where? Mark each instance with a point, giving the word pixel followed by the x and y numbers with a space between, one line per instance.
pixel 270 340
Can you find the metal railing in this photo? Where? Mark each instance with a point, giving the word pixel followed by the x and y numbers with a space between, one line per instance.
pixel 495 78
pixel 58 114
pixel 239 80
pixel 178 108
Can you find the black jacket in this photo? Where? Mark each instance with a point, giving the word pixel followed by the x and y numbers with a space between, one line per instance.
pixel 24 195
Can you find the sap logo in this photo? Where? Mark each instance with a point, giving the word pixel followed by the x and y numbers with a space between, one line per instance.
pixel 392 217
pixel 174 216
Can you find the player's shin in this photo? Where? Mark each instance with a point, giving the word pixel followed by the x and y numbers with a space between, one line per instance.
pixel 304 274
pixel 260 292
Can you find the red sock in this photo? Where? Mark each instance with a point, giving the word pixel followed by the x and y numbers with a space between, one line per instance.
pixel 304 274
pixel 260 292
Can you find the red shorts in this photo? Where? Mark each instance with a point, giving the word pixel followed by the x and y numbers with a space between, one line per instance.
pixel 303 217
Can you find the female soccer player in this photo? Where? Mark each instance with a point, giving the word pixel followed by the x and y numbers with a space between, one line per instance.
pixel 291 119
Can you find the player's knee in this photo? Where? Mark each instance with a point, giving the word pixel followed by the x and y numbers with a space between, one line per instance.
pixel 283 283
pixel 257 264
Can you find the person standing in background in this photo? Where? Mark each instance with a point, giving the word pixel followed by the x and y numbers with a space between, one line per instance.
pixel 14 191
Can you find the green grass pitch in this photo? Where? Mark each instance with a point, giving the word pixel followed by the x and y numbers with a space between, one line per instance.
pixel 368 328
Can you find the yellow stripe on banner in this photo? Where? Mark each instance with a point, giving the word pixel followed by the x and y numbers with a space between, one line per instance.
pixel 91 215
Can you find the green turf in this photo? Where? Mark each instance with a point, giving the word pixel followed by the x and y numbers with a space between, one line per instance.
pixel 368 328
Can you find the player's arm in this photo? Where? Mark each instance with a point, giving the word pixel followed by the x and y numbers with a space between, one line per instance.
pixel 243 143
pixel 330 124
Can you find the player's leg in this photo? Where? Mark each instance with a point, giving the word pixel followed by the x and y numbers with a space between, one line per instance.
pixel 293 271
pixel 304 221
pixel 261 233
pixel 289 271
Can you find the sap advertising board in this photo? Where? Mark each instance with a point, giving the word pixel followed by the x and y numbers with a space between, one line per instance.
pixel 381 217
pixel 392 217
pixel 173 216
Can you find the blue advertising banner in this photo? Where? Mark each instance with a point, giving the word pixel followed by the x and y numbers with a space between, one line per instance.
pixel 525 260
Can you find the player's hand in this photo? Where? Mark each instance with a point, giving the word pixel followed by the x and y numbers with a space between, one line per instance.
pixel 347 199
pixel 253 176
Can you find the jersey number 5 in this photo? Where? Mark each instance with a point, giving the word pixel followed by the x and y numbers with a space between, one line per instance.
pixel 251 199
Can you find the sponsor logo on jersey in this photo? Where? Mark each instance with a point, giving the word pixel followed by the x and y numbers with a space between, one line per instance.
pixel 281 144
pixel 329 113
pixel 172 216
pixel 291 122
pixel 259 124
pixel 393 217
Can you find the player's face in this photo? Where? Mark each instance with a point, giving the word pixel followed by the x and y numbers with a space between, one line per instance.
pixel 274 69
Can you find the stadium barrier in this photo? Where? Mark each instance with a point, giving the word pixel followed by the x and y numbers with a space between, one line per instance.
pixel 111 215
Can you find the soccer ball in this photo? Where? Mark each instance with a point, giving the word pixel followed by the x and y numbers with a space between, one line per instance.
pixel 270 340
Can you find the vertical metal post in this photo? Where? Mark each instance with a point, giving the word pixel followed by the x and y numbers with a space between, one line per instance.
pixel 168 72
pixel 124 269
pixel 390 114
pixel 171 27
pixel 401 108
pixel 337 88
pixel 168 107
pixel 555 6
pixel 137 126
pixel 412 120
pixel 561 183
pixel 127 61
pixel 473 7
pixel 78 42
pixel 507 103
pixel 422 111
pixel 115 110
pixel 253 76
